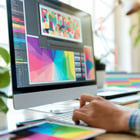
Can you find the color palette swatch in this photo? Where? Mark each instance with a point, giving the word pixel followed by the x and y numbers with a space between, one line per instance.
pixel 90 72
pixel 19 32
pixel 49 65
pixel 18 28
pixel 123 80
pixel 60 25
pixel 54 131
pixel 79 66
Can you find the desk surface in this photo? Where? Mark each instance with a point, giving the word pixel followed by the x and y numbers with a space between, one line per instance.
pixel 119 136
pixel 9 122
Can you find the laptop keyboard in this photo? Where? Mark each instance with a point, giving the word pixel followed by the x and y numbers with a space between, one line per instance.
pixel 65 118
pixel 67 109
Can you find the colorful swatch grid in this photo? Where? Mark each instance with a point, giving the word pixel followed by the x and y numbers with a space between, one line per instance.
pixel 90 72
pixel 19 31
pixel 49 65
pixel 60 25
pixel 123 81
pixel 79 66
pixel 52 131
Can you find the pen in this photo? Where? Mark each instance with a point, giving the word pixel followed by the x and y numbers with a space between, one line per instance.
pixel 29 122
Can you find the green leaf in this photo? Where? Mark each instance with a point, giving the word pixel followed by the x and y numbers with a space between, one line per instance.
pixel 3 69
pixel 3 106
pixel 5 55
pixel 4 79
pixel 137 40
pixel 97 60
pixel 2 94
pixel 132 29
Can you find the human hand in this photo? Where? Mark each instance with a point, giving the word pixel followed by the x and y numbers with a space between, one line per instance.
pixel 101 113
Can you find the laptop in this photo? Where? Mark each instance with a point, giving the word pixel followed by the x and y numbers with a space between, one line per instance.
pixel 114 92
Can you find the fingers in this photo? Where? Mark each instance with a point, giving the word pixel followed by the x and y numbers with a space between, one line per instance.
pixel 87 98
pixel 77 116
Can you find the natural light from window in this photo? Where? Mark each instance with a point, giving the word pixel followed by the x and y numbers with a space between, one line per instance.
pixel 3 24
pixel 104 46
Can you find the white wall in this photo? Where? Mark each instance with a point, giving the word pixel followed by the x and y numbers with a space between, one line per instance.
pixel 3 25
pixel 135 51
pixel 123 42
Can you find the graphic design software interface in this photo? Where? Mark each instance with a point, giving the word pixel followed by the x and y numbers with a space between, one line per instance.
pixel 52 45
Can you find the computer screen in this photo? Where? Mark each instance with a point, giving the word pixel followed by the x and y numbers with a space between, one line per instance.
pixel 51 46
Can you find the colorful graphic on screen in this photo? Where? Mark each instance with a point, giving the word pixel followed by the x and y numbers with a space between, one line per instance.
pixel 52 131
pixel 79 66
pixel 90 72
pixel 19 35
pixel 60 25
pixel 49 65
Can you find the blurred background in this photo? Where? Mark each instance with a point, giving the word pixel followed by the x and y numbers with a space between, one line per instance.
pixel 116 35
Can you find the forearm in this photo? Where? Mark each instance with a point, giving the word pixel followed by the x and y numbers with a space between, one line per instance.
pixel 103 114
pixel 134 122
pixel 123 123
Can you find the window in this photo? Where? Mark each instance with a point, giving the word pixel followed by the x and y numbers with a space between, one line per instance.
pixel 3 25
pixel 104 32
pixel 86 5
pixel 104 45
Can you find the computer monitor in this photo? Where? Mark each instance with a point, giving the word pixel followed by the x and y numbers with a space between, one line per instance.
pixel 51 46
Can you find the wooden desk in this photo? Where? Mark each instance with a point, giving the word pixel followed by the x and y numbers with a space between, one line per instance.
pixel 9 122
pixel 120 136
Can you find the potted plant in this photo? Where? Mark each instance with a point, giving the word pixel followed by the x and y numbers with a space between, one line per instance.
pixel 100 72
pixel 4 78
